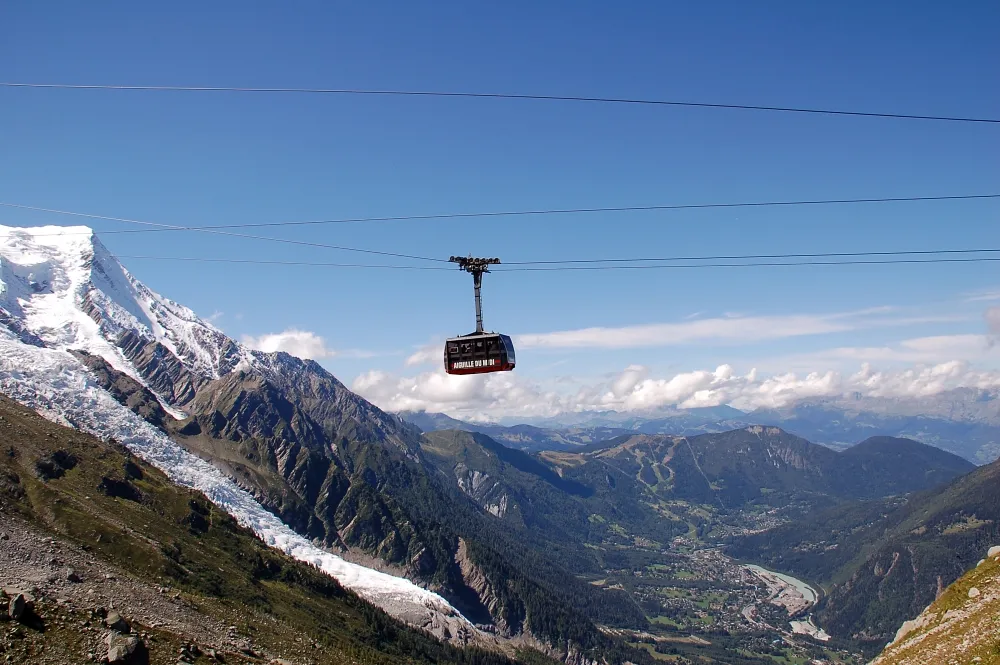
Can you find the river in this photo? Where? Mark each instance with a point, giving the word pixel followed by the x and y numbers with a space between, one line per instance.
pixel 794 595
pixel 807 591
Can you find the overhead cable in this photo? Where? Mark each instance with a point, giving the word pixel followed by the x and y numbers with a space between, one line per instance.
pixel 314 264
pixel 756 256
pixel 757 264
pixel 224 233
pixel 155 227
pixel 499 95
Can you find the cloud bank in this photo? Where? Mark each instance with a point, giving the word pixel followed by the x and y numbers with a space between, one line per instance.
pixel 497 395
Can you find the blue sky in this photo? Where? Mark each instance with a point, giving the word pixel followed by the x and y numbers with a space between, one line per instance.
pixel 207 158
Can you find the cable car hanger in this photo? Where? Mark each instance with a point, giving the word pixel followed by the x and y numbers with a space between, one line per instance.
pixel 478 352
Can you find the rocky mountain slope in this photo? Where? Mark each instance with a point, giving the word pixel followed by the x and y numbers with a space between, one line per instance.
pixel 109 553
pixel 55 384
pixel 766 464
pixel 960 626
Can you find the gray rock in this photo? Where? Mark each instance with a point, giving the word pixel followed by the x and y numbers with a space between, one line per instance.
pixel 123 648
pixel 20 606
pixel 117 623
pixel 73 576
pixel 993 551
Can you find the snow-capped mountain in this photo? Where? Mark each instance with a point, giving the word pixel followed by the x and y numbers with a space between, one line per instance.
pixel 62 290
pixel 67 289
pixel 61 287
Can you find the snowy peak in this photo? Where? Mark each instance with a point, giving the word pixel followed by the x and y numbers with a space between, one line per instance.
pixel 61 285
pixel 61 288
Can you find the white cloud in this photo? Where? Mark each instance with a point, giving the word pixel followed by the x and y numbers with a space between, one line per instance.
pixel 983 296
pixel 628 380
pixel 301 343
pixel 426 355
pixel 730 328
pixel 699 385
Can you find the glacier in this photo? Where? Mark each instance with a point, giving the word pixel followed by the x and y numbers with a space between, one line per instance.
pixel 58 386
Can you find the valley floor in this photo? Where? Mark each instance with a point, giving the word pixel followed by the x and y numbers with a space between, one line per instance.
pixel 704 606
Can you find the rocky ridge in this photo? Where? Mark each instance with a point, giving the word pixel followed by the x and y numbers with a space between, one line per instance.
pixel 960 627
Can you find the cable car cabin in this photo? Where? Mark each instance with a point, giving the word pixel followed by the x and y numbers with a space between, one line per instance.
pixel 479 353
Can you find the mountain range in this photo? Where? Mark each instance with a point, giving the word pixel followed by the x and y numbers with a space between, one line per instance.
pixel 964 421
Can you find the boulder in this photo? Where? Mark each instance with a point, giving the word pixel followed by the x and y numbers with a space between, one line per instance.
pixel 125 649
pixel 117 623
pixel 974 592
pixel 20 606
pixel 993 551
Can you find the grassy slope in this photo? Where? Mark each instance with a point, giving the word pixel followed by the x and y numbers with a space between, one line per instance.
pixel 169 535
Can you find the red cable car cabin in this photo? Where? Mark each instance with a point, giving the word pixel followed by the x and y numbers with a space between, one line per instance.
pixel 479 353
